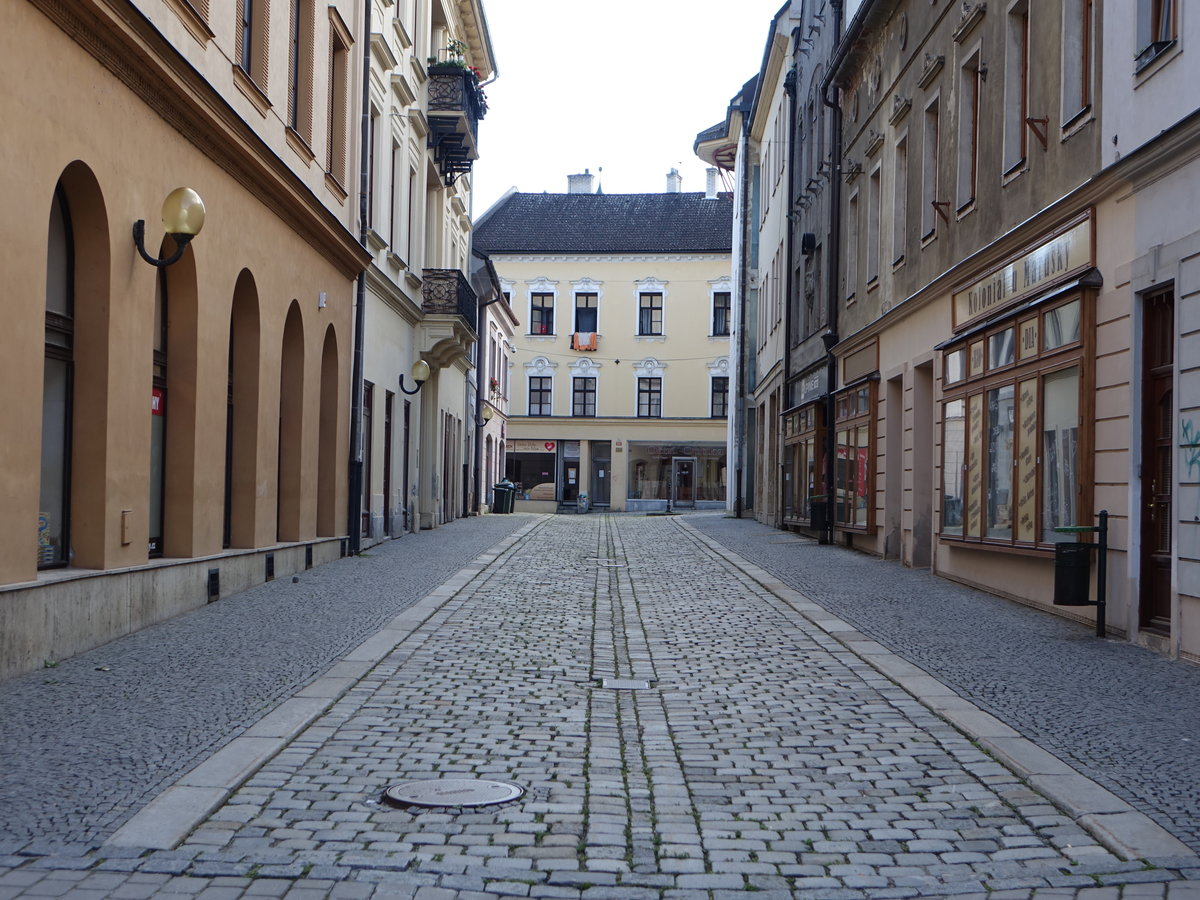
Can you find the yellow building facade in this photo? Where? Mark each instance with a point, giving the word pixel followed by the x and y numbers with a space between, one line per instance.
pixel 176 434
pixel 619 383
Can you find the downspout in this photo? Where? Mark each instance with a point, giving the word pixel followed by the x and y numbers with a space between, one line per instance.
pixel 743 289
pixel 479 376
pixel 356 373
pixel 830 337
pixel 789 88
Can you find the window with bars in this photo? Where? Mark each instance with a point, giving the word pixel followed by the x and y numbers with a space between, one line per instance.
pixel 541 314
pixel 649 398
pixel 650 314
pixel 539 395
pixel 583 396
pixel 719 405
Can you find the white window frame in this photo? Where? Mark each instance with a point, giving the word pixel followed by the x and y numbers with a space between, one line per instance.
pixel 649 286
pixel 542 286
pixel 650 367
pixel 540 367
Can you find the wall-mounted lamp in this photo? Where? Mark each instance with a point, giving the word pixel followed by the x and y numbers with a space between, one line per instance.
pixel 420 374
pixel 487 416
pixel 183 217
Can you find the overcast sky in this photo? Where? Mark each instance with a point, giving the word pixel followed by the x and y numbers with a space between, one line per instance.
pixel 622 85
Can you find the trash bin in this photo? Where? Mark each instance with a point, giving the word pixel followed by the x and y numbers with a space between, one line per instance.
pixel 1072 574
pixel 581 502
pixel 503 496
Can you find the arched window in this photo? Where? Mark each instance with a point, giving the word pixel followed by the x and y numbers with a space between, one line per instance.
pixel 54 533
pixel 158 417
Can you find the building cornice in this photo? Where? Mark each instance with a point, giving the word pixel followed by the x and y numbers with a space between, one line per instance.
pixel 600 259
pixel 128 45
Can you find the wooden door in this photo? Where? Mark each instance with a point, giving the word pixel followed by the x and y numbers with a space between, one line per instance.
pixel 1158 375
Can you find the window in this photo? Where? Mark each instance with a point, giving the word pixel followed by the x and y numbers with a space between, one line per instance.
pixel 541 314
pixel 1016 86
pixel 650 314
pixel 394 187
pixel 586 313
pixel 968 131
pixel 720 397
pixel 300 72
pixel 539 395
pixel 852 248
pixel 372 137
pixel 252 39
pixel 339 62
pixel 410 213
pixel 900 202
pixel 158 418
pixel 1076 58
pixel 1156 29
pixel 1012 430
pixel 368 438
pixel 803 437
pixel 721 313
pixel 649 403
pixel 855 464
pixel 583 397
pixel 53 527
pixel 874 219
pixel 929 172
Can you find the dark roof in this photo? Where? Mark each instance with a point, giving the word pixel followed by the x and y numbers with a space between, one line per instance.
pixel 607 223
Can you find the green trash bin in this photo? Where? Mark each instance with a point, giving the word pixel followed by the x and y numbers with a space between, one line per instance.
pixel 503 496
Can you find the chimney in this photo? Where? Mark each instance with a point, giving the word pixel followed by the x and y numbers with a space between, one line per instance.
pixel 710 184
pixel 674 181
pixel 580 184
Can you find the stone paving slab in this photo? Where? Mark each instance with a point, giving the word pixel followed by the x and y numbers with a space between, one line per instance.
pixel 766 757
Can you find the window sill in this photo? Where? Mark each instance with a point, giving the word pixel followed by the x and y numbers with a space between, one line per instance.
pixel 335 187
pixel 964 210
pixel 541 336
pixel 873 284
pixel 192 20
pixel 298 144
pixel 1077 122
pixel 995 546
pixel 251 90
pixel 1015 171
pixel 928 238
pixel 1153 58
pixel 649 338
pixel 375 240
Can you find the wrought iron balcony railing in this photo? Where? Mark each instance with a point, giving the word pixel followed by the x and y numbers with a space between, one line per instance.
pixel 447 292
pixel 456 104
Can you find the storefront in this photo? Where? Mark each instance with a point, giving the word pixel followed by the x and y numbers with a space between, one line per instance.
pixel 531 466
pixel 684 475
pixel 804 494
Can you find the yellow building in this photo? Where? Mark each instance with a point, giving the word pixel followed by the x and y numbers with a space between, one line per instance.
pixel 171 434
pixel 620 381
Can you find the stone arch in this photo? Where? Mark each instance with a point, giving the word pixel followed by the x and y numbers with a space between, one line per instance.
pixel 327 438
pixel 85 445
pixel 290 489
pixel 242 415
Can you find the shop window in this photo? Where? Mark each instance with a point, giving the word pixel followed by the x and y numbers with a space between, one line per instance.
pixel 803 437
pixel 650 467
pixel 854 470
pixel 1012 431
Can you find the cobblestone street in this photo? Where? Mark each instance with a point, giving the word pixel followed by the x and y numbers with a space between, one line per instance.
pixel 684 724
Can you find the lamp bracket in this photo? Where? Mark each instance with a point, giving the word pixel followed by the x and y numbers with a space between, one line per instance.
pixel 139 237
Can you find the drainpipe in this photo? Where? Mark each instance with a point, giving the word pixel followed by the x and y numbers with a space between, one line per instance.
pixel 356 374
pixel 830 337
pixel 739 428
pixel 480 375
pixel 789 88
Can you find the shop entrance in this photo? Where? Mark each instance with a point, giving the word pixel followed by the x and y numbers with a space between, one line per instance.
pixel 1158 374
pixel 683 482
pixel 601 473
pixel 570 472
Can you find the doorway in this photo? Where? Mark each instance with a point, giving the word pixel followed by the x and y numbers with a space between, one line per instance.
pixel 683 482
pixel 601 473
pixel 1158 376
pixel 570 472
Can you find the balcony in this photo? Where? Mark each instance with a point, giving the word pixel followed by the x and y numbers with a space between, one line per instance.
pixel 448 329
pixel 456 104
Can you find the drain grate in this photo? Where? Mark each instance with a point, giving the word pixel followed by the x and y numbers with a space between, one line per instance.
pixel 625 684
pixel 451 792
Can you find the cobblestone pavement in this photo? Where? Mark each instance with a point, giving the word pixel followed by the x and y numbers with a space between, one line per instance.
pixel 100 734
pixel 743 751
pixel 1127 717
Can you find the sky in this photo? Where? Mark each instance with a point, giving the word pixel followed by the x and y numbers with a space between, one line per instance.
pixel 622 86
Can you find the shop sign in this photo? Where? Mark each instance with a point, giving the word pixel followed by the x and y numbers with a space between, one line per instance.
pixel 157 406
pixel 521 445
pixel 813 385
pixel 1065 253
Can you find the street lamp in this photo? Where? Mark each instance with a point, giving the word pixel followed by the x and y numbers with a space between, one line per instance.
pixel 420 374
pixel 182 216
pixel 487 416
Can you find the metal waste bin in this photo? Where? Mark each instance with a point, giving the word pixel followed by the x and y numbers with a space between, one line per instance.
pixel 503 496
pixel 1072 574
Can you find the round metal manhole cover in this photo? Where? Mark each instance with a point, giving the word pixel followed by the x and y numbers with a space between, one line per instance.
pixel 452 792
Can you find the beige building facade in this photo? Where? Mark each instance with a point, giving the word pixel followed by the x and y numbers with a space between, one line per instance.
pixel 173 434
pixel 618 386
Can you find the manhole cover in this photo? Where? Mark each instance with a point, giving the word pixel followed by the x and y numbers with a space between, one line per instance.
pixel 452 792
pixel 625 684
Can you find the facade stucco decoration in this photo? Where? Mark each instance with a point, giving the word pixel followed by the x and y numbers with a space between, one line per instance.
pixel 718 367
pixel 585 368
pixel 540 367
pixel 649 368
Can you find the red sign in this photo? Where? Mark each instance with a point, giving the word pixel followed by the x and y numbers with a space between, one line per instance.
pixel 158 402
pixel 549 446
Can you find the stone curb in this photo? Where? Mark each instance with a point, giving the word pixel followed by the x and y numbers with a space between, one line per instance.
pixel 1129 834
pixel 171 816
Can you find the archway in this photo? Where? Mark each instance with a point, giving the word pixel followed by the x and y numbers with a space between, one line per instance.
pixel 327 439
pixel 241 419
pixel 291 427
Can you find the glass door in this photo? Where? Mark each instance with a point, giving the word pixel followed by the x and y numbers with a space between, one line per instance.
pixel 683 482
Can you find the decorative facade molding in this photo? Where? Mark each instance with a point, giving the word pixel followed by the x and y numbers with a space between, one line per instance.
pixel 900 108
pixel 649 368
pixel 933 65
pixel 585 368
pixel 718 368
pixel 540 367
pixel 972 14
